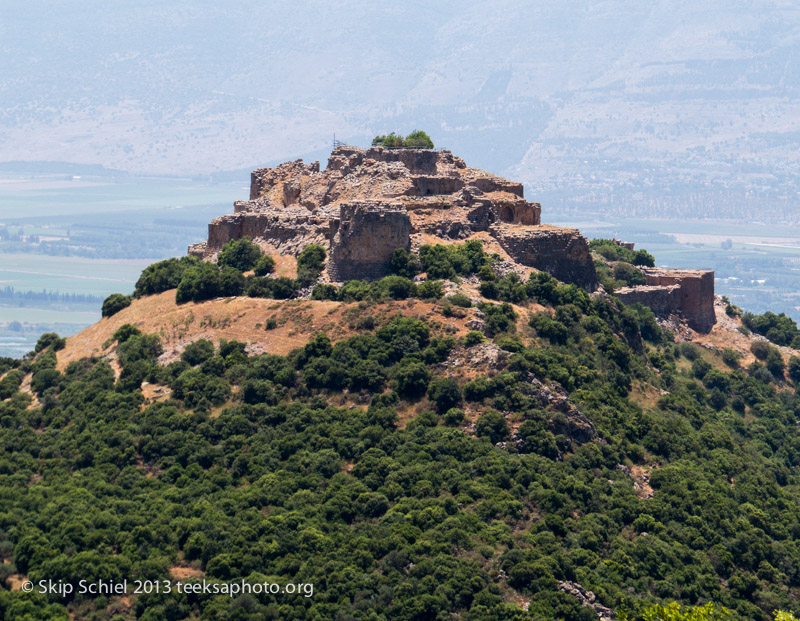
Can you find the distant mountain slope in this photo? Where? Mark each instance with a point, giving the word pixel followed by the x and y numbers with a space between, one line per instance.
pixel 673 107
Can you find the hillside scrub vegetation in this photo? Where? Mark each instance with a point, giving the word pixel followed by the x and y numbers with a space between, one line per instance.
pixel 612 251
pixel 115 303
pixel 779 329
pixel 581 445
pixel 241 254
pixel 617 266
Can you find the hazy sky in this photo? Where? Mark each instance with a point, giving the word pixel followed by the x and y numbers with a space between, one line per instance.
pixel 552 93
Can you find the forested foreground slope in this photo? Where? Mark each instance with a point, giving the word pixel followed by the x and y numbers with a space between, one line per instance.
pixel 473 447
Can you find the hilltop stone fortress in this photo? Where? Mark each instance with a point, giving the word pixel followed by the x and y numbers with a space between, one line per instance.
pixel 368 202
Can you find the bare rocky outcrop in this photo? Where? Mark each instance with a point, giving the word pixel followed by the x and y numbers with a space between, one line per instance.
pixel 641 480
pixel 688 293
pixel 587 598
pixel 421 191
pixel 572 424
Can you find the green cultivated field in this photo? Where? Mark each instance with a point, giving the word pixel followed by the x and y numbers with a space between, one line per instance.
pixel 54 195
pixel 69 274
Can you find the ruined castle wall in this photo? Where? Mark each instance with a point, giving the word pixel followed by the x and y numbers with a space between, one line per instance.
pixel 496 184
pixel 662 300
pixel 519 212
pixel 418 161
pixel 364 237
pixel 263 179
pixel 288 231
pixel 432 185
pixel 243 206
pixel 222 230
pixel 696 293
pixel 564 253
pixel 344 159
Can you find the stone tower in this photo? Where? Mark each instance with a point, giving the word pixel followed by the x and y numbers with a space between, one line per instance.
pixel 364 237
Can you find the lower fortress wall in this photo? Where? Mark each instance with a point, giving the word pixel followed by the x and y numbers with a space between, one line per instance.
pixel 564 253
pixel 689 293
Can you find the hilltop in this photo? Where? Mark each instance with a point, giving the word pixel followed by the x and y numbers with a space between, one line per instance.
pixel 389 383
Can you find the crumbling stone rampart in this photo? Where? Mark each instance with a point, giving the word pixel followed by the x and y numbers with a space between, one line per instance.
pixel 663 301
pixel 264 179
pixel 696 293
pixel 564 253
pixel 432 185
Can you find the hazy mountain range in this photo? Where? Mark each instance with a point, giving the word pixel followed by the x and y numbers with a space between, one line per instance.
pixel 670 108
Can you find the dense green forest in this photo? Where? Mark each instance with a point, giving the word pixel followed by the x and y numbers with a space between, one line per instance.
pixel 398 485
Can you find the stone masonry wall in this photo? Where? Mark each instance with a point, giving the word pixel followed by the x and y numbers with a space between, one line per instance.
pixel 663 301
pixel 288 231
pixel 418 161
pixel 263 179
pixel 430 185
pixel 364 237
pixel 689 293
pixel 564 253
pixel 695 297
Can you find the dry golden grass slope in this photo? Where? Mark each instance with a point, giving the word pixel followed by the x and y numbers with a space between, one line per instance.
pixel 243 319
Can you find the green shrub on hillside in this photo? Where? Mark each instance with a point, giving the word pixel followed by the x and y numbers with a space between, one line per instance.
pixel 49 340
pixel 445 393
pixel 241 254
pixel 404 263
pixel 207 281
pixel 124 332
pixel 388 140
pixel 612 251
pixel 449 261
pixel 418 139
pixel 498 318
pixel 779 329
pixel 115 303
pixel 760 349
pixel 628 274
pixel 163 275
pixel 198 352
pixel 264 265
pixel 310 263
pixel 283 288
pixel 492 425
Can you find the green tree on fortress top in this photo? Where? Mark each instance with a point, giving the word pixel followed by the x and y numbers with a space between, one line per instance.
pixel 417 139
